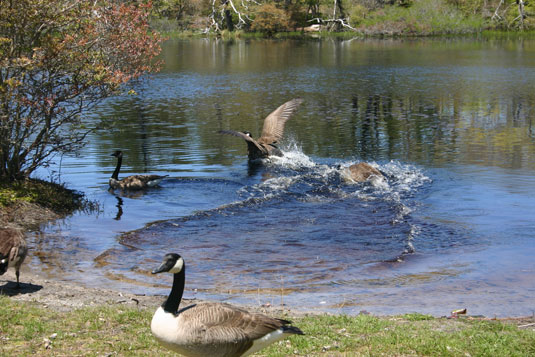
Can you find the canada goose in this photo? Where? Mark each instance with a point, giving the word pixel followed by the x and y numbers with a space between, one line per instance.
pixel 211 329
pixel 271 132
pixel 362 172
pixel 134 182
pixel 13 250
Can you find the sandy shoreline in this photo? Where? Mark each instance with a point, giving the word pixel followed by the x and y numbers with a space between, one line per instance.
pixel 67 296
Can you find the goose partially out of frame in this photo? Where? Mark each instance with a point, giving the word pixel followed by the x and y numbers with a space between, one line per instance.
pixel 13 251
pixel 210 328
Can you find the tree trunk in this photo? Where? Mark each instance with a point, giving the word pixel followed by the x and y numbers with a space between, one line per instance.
pixel 521 14
pixel 338 13
pixel 228 20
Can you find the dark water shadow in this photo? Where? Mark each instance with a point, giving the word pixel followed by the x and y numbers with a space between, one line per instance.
pixel 10 288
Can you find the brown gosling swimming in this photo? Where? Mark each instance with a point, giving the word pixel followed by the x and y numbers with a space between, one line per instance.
pixel 13 251
pixel 272 132
pixel 134 182
pixel 211 329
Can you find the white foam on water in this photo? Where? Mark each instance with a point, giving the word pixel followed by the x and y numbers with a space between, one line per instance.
pixel 406 177
pixel 294 157
pixel 415 231
pixel 277 183
pixel 331 181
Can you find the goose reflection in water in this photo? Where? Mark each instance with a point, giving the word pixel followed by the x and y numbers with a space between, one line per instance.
pixel 119 206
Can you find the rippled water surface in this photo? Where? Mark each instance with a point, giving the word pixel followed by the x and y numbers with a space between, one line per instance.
pixel 449 122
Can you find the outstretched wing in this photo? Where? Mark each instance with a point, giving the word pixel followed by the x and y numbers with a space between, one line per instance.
pixel 244 136
pixel 274 123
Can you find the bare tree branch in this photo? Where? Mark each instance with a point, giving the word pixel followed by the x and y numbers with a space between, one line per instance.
pixel 339 21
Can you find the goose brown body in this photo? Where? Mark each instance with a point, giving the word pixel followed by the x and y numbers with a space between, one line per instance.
pixel 133 182
pixel 211 328
pixel 13 250
pixel 218 329
pixel 363 171
pixel 272 132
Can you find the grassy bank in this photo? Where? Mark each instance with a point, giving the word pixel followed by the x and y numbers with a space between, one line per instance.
pixel 46 194
pixel 31 202
pixel 30 329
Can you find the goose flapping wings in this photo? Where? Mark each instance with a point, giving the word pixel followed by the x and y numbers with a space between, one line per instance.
pixel 272 131
pixel 274 123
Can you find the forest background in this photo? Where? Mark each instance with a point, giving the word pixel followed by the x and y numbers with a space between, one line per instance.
pixel 364 17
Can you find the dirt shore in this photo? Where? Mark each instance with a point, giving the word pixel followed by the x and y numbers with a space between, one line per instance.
pixel 26 216
pixel 65 296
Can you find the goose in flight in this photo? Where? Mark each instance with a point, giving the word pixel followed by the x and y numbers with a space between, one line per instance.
pixel 272 132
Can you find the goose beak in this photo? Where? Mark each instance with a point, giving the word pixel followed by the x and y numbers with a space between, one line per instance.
pixel 164 267
pixel 160 269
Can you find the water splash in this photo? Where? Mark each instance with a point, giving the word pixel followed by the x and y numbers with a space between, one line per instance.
pixel 294 157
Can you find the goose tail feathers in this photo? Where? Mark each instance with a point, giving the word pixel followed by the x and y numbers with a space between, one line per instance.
pixel 292 330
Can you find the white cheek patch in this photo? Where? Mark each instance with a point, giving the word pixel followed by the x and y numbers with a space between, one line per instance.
pixel 3 261
pixel 178 266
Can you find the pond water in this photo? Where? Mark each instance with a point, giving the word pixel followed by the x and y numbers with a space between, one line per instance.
pixel 448 121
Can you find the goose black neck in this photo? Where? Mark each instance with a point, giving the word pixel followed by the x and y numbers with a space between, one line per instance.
pixel 115 174
pixel 175 296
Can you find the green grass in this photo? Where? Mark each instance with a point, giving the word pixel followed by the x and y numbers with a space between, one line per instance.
pixel 405 335
pixel 422 18
pixel 83 332
pixel 121 330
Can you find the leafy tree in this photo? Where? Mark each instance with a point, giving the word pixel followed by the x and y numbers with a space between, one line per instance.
pixel 58 59
pixel 270 19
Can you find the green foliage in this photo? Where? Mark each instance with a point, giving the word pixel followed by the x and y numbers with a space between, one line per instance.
pixel 270 19
pixel 60 58
pixel 425 17
pixel 297 15
pixel 46 194
pixel 357 14
pixel 171 9
pixel 512 16
pixel 469 7
pixel 373 17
